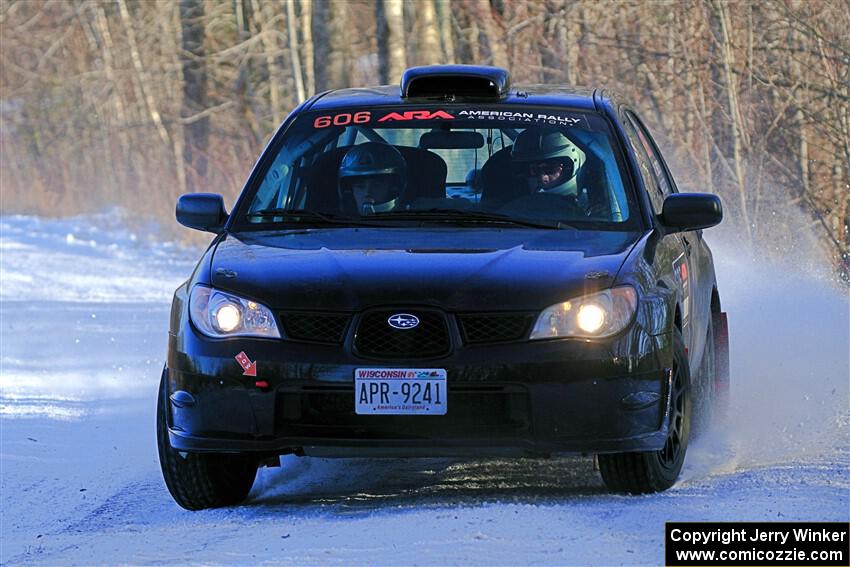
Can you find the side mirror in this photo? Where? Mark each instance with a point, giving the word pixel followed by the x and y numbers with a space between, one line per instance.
pixel 682 212
pixel 202 211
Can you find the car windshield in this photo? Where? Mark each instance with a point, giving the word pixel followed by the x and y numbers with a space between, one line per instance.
pixel 457 164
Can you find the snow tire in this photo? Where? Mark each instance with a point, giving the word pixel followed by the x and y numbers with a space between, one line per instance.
pixel 200 480
pixel 705 407
pixel 655 471
pixel 721 400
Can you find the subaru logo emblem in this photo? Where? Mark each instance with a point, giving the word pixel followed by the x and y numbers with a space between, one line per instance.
pixel 403 321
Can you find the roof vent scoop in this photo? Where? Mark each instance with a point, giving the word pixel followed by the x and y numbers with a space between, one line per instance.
pixel 462 81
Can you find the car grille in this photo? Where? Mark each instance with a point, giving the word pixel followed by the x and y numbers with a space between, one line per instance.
pixel 315 327
pixel 494 327
pixel 376 339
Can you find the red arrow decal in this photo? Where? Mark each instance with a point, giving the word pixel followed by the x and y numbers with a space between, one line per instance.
pixel 249 368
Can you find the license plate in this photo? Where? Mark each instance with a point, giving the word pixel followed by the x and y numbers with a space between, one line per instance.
pixel 400 391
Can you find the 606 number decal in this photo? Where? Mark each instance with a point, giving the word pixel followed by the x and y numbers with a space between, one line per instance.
pixel 343 119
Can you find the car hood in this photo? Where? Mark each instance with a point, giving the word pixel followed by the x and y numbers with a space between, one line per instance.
pixel 349 269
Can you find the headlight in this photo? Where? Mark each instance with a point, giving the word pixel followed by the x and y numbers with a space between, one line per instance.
pixel 219 314
pixel 597 315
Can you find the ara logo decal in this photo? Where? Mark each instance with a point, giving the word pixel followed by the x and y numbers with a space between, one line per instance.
pixel 416 115
pixel 249 368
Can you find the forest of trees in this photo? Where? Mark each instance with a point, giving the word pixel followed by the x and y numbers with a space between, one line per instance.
pixel 106 102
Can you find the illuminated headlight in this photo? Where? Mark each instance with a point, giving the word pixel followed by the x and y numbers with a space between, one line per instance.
pixel 219 314
pixel 597 315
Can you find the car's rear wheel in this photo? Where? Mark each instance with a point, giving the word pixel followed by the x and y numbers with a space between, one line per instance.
pixel 654 471
pixel 721 399
pixel 705 404
pixel 201 480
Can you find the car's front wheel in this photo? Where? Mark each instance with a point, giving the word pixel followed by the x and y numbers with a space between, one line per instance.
pixel 654 471
pixel 200 480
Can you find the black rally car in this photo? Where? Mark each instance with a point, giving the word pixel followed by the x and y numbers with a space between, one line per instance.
pixel 457 267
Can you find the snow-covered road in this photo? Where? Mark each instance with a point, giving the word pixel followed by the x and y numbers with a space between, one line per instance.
pixel 83 322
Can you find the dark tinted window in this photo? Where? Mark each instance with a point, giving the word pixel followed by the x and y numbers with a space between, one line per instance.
pixel 650 180
pixel 535 164
pixel 658 168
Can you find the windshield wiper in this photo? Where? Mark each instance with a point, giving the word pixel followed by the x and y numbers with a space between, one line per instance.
pixel 470 216
pixel 306 215
pixel 435 214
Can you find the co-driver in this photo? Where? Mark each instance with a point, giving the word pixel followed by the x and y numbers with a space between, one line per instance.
pixel 548 161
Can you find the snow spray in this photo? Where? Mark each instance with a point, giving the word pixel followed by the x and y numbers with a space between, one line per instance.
pixel 789 325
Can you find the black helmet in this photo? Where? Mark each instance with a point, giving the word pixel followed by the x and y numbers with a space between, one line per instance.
pixel 373 158
pixel 374 161
pixel 543 144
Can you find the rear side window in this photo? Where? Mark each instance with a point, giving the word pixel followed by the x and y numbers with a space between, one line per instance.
pixel 658 168
pixel 553 165
pixel 650 179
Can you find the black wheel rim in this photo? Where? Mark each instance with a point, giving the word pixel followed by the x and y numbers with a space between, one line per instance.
pixel 670 454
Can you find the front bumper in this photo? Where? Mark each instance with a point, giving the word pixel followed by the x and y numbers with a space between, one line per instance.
pixel 530 398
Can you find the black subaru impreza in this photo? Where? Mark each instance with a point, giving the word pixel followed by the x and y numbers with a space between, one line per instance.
pixel 456 267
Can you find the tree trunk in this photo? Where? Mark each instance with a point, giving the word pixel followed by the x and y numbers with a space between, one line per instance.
pixel 492 32
pixel 389 22
pixel 739 141
pixel 307 45
pixel 271 51
pixel 799 117
pixel 472 36
pixel 444 11
pixel 428 40
pixel 330 41
pixel 196 131
pixel 141 75
pixel 145 89
pixel 293 49
pixel 109 65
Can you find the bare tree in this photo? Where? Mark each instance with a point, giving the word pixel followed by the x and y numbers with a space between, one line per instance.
pixel 330 45
pixel 270 22
pixel 739 135
pixel 444 15
pixel 389 20
pixel 130 102
pixel 294 49
pixel 428 39
pixel 307 43
pixel 197 127
pixel 491 32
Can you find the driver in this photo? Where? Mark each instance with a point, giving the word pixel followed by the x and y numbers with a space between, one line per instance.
pixel 373 175
pixel 548 161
